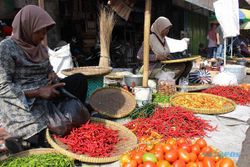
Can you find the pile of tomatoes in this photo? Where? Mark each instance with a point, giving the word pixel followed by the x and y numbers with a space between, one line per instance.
pixel 180 152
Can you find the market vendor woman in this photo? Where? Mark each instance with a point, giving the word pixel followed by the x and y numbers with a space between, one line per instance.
pixel 28 84
pixel 159 51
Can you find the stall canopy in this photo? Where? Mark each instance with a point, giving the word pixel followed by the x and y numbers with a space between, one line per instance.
pixel 207 4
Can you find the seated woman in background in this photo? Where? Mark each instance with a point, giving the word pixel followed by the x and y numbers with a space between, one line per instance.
pixel 28 84
pixel 159 51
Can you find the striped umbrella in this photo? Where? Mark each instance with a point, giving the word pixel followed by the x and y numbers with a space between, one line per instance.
pixel 244 15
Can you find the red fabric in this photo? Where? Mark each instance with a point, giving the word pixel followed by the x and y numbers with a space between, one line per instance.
pixel 7 30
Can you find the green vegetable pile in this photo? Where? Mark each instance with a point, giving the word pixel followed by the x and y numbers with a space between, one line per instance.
pixel 160 98
pixel 41 160
pixel 143 112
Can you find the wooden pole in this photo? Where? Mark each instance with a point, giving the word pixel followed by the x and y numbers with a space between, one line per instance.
pixel 41 4
pixel 147 18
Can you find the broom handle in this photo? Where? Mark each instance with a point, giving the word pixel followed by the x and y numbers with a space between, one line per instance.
pixel 147 17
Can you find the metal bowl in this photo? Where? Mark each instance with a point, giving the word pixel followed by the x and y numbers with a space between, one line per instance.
pixel 133 80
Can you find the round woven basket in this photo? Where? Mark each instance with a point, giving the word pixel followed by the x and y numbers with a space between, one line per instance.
pixel 88 71
pixel 36 151
pixel 128 142
pixel 113 102
pixel 228 108
pixel 192 88
pixel 181 60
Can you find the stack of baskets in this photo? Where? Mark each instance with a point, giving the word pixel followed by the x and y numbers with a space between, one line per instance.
pixel 95 75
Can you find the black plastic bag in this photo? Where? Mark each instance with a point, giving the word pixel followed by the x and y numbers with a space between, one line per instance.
pixel 66 113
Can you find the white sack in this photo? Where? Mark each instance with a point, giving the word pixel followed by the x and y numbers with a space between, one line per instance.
pixel 176 45
pixel 60 59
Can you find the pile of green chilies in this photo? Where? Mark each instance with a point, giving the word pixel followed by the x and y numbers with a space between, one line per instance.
pixel 40 160
pixel 143 112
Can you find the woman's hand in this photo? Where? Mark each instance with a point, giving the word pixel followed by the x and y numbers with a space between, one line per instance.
pixel 50 91
pixel 53 78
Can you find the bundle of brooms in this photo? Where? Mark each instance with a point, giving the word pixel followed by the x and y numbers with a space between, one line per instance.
pixel 107 22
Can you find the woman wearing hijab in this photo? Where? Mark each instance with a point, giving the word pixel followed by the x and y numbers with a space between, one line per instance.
pixel 159 51
pixel 28 83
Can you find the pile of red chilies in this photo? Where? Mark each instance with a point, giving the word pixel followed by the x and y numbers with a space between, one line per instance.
pixel 92 139
pixel 235 93
pixel 171 122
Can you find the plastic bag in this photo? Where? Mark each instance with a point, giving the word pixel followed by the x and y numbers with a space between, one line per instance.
pixel 166 83
pixel 66 114
pixel 60 58
pixel 225 79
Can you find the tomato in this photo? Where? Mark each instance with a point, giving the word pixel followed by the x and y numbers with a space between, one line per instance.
pixel 149 147
pixel 163 163
pixel 218 163
pixel 149 157
pixel 159 155
pixel 208 162
pixel 138 156
pixel 199 164
pixel 182 141
pixel 166 147
pixel 207 149
pixel 179 163
pixel 158 147
pixel 171 156
pixel 125 158
pixel 186 147
pixel 184 155
pixel 142 147
pixel 171 141
pixel 201 142
pixel 226 162
pixel 191 164
pixel 193 157
pixel 149 164
pixel 132 163
pixel 195 149
pixel 201 156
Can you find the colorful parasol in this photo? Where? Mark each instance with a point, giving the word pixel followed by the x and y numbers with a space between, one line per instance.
pixel 244 15
pixel 245 26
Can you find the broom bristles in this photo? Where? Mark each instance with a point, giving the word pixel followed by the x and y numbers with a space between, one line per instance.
pixel 107 22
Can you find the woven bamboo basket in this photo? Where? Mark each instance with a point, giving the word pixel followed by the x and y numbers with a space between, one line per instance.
pixel 89 71
pixel 181 60
pixel 37 151
pixel 113 102
pixel 128 143
pixel 192 88
pixel 228 108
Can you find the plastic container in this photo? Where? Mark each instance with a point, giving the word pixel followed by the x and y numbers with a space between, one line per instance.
pixel 238 70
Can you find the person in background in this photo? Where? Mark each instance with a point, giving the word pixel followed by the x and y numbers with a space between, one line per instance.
pixel 220 43
pixel 159 51
pixel 29 86
pixel 212 41
pixel 202 50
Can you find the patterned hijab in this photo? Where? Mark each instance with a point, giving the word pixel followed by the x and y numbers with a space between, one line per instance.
pixel 28 20
pixel 159 25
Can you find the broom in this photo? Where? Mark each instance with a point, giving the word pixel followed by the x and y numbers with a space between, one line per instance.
pixel 107 22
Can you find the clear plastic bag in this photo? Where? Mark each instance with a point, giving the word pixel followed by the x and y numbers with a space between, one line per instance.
pixel 166 83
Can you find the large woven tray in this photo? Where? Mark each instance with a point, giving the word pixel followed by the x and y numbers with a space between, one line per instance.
pixel 180 60
pixel 113 102
pixel 128 142
pixel 193 88
pixel 228 107
pixel 88 71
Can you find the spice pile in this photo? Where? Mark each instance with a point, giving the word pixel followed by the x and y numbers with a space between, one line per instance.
pixel 45 160
pixel 170 122
pixel 92 139
pixel 235 93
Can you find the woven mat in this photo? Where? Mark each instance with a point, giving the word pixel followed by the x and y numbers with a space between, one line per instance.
pixel 88 71
pixel 181 60
pixel 183 99
pixel 192 88
pixel 128 143
pixel 113 102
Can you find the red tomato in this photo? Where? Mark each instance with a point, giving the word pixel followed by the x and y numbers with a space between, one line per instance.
pixel 191 164
pixel 184 155
pixel 158 147
pixel 182 141
pixel 166 147
pixel 179 163
pixel 207 149
pixel 195 149
pixel 125 158
pixel 208 162
pixel 186 147
pixel 199 164
pixel 171 141
pixel 201 156
pixel 149 164
pixel 226 162
pixel 138 156
pixel 163 163
pixel 171 156
pixel 132 163
pixel 201 142
pixel 193 157
pixel 159 155
pixel 142 147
